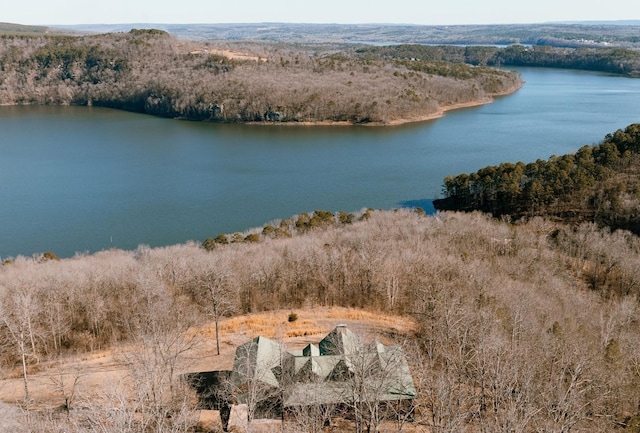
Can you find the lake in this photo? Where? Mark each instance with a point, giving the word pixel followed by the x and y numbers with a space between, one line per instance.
pixel 78 179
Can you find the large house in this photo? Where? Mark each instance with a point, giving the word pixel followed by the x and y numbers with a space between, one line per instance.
pixel 340 370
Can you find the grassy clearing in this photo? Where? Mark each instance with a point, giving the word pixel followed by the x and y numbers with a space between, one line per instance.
pixel 317 321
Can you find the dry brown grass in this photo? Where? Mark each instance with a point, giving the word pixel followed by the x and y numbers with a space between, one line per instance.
pixel 98 369
pixel 316 321
pixel 398 323
pixel 271 325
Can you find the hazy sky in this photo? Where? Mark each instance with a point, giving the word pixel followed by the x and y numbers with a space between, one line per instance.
pixel 318 11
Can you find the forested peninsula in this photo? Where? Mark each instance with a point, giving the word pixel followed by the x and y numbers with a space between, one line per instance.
pixel 598 184
pixel 149 71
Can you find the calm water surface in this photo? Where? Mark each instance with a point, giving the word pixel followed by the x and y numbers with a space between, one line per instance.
pixel 75 179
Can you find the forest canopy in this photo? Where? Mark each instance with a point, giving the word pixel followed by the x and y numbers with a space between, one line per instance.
pixel 598 183
pixel 603 59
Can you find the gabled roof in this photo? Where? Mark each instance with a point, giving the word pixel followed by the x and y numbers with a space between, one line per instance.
pixel 327 373
pixel 340 341
pixel 311 350
pixel 400 382
pixel 258 360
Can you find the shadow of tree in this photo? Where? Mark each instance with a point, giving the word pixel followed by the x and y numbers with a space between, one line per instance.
pixel 425 204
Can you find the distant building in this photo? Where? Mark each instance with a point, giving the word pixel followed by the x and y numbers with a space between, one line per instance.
pixel 339 370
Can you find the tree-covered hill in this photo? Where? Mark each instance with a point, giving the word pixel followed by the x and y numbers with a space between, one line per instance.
pixel 150 71
pixel 597 183
pixel 603 59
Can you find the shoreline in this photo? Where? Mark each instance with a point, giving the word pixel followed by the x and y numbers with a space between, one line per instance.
pixel 398 122
pixel 470 104
pixel 443 110
pixel 395 122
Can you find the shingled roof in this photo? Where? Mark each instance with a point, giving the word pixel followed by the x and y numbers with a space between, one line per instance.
pixel 258 360
pixel 327 373
pixel 340 341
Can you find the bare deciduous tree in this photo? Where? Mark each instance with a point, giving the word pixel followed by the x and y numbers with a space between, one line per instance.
pixel 18 310
pixel 221 295
pixel 66 384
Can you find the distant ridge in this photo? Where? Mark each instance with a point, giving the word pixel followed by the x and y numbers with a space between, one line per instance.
pixel 21 29
pixel 600 23
pixel 619 34
pixel 114 28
